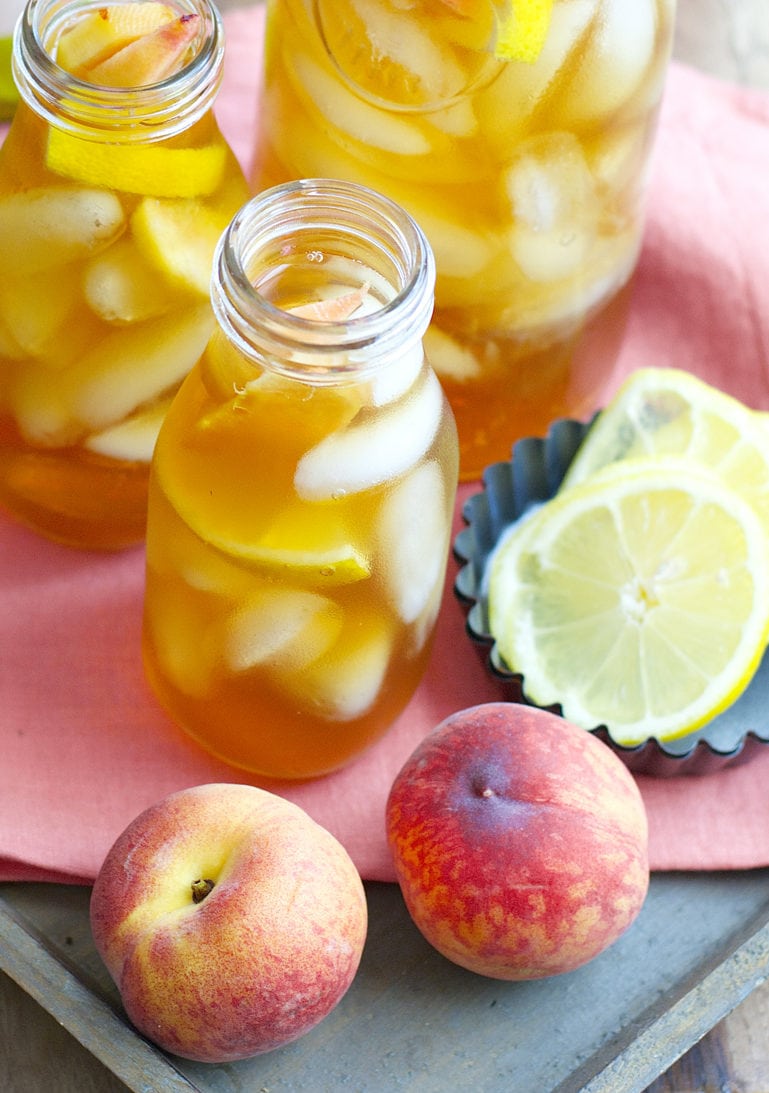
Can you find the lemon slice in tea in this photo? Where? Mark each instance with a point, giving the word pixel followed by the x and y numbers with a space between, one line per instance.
pixel 154 170
pixel 523 30
pixel 668 412
pixel 637 600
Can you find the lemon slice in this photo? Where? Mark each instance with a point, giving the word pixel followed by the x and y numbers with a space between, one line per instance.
pixel 523 30
pixel 270 415
pixel 636 600
pixel 668 412
pixel 179 239
pixel 9 96
pixel 298 546
pixel 153 170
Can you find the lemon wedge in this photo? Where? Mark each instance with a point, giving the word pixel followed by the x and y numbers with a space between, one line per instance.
pixel 523 29
pixel 164 235
pixel 279 417
pixel 154 170
pixel 297 546
pixel 637 600
pixel 669 412
pixel 9 96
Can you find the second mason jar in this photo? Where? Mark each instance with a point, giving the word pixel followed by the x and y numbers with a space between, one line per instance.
pixel 115 185
pixel 518 135
pixel 302 488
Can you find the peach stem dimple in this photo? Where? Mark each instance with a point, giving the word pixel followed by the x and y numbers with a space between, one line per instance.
pixel 201 888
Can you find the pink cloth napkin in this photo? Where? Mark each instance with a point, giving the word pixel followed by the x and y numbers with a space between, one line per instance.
pixel 83 745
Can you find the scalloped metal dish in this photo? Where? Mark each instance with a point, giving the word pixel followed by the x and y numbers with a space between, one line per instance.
pixel 511 489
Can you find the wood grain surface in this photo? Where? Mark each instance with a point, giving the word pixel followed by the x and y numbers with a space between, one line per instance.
pixel 730 39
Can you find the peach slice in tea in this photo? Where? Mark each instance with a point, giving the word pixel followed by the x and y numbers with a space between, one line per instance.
pixel 95 35
pixel 335 309
pixel 148 59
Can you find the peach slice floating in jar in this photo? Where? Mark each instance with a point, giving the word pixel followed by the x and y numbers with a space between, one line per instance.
pixel 334 309
pixel 149 59
pixel 95 35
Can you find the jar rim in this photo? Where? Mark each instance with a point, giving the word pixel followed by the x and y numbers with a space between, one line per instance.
pixel 150 112
pixel 294 345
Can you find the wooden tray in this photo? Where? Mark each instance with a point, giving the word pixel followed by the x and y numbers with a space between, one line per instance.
pixel 413 1021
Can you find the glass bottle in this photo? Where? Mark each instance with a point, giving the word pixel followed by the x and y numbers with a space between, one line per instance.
pixel 518 136
pixel 112 200
pixel 302 489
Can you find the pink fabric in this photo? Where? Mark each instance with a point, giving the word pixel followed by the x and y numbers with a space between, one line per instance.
pixel 83 744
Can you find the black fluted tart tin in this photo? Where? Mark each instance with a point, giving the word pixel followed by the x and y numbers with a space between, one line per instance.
pixel 510 490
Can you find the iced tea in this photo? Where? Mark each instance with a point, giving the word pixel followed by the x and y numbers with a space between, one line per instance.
pixel 112 200
pixel 301 495
pixel 525 167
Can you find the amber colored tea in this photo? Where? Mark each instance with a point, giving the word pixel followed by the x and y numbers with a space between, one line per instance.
pixel 106 242
pixel 527 175
pixel 301 501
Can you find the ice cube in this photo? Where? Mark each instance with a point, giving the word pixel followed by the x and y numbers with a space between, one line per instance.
pixel 8 347
pixel 449 358
pixel 458 120
pixel 43 228
pixel 618 54
pixel 121 287
pixel 35 307
pixel 181 636
pixel 288 629
pixel 509 101
pixel 430 73
pixel 351 115
pixel 619 164
pixel 39 408
pixel 136 364
pixel 365 455
pixel 554 207
pixel 132 440
pixel 395 380
pixel 459 250
pixel 412 534
pixel 346 683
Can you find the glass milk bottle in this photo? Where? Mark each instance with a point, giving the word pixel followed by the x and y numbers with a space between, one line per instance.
pixel 518 136
pixel 115 185
pixel 302 489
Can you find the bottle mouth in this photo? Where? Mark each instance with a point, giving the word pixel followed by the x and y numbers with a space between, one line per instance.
pixel 308 237
pixel 151 111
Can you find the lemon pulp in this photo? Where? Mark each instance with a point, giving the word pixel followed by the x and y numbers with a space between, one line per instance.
pixel 669 412
pixel 523 30
pixel 635 600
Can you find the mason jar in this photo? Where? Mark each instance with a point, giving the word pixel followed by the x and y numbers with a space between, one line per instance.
pixel 518 136
pixel 113 196
pixel 302 488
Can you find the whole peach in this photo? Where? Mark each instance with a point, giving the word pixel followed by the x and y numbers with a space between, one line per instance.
pixel 231 922
pixel 519 842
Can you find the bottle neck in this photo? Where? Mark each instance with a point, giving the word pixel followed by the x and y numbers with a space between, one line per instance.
pixel 153 112
pixel 317 239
